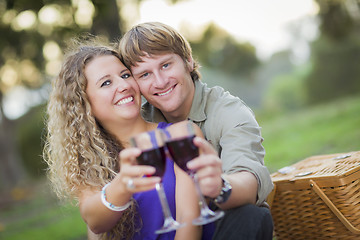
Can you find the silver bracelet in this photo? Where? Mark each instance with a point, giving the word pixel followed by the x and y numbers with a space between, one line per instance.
pixel 110 205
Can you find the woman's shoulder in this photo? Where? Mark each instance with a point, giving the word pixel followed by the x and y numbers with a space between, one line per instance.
pixel 163 125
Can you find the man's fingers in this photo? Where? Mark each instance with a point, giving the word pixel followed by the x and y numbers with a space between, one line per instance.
pixel 209 171
pixel 210 186
pixel 204 146
pixel 205 161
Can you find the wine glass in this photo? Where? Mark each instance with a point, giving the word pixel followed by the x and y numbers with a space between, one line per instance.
pixel 152 146
pixel 182 149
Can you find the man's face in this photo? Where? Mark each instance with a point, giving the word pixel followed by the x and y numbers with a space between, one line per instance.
pixel 166 83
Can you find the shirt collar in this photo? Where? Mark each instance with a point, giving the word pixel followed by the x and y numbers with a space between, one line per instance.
pixel 197 111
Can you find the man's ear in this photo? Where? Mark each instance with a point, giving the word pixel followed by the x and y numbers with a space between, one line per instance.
pixel 190 64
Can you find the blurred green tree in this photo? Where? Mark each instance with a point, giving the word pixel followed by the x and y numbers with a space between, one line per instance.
pixel 218 49
pixel 32 36
pixel 29 134
pixel 336 53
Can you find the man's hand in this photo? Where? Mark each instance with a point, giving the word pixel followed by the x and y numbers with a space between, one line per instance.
pixel 208 168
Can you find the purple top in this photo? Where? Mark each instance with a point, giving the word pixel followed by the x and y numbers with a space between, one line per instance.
pixel 150 208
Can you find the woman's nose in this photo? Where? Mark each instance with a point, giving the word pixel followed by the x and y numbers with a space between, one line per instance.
pixel 122 85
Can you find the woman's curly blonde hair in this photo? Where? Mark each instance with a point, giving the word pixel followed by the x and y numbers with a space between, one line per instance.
pixel 79 152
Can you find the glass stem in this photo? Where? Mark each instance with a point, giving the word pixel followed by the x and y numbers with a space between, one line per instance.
pixel 203 204
pixel 164 203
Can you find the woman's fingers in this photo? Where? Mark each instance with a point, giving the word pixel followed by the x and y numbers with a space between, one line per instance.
pixel 128 155
pixel 133 175
pixel 140 184
pixel 137 170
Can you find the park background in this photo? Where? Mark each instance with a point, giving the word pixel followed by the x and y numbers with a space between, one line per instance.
pixel 295 63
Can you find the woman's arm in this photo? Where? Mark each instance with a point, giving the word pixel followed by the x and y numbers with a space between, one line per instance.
pixel 187 206
pixel 187 202
pixel 97 216
pixel 91 235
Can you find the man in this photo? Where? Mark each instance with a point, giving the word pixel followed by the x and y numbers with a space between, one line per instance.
pixel 161 62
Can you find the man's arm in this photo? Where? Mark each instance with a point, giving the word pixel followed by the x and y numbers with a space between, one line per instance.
pixel 241 150
pixel 231 128
pixel 208 165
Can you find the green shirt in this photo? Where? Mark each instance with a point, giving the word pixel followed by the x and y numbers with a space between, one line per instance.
pixel 230 126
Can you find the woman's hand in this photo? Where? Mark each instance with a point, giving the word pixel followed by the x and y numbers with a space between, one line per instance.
pixel 131 174
pixel 119 192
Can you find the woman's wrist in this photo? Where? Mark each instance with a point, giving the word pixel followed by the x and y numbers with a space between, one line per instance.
pixel 111 206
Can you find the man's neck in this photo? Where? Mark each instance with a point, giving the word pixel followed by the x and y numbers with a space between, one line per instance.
pixel 174 118
pixel 182 113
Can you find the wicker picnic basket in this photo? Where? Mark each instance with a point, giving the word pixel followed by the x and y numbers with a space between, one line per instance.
pixel 318 198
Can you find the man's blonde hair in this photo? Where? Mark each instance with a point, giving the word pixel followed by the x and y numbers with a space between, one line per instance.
pixel 155 38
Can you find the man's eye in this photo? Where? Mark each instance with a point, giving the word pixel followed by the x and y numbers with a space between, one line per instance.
pixel 144 75
pixel 106 83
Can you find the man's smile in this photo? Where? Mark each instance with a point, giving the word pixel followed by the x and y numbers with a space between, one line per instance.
pixel 166 92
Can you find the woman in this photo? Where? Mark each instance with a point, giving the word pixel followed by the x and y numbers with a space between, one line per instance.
pixel 93 110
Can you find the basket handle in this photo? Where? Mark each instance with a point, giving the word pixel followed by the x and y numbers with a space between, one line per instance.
pixel 333 208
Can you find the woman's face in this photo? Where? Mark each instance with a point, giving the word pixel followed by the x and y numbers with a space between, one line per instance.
pixel 112 91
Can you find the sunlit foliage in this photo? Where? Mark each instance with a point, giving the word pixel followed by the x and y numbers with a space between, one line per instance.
pixel 336 54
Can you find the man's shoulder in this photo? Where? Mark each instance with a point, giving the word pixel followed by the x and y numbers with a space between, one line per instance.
pixel 150 113
pixel 146 111
pixel 221 106
pixel 217 97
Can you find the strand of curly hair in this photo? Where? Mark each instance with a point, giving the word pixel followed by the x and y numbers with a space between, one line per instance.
pixel 78 151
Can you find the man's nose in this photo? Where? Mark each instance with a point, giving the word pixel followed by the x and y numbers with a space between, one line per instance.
pixel 160 80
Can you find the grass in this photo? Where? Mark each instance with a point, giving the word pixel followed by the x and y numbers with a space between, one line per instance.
pixel 325 129
pixel 40 216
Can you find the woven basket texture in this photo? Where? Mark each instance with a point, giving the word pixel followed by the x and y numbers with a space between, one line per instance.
pixel 300 213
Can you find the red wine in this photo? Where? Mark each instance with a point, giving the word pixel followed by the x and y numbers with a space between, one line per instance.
pixel 183 150
pixel 154 157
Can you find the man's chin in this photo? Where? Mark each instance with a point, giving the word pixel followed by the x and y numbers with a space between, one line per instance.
pixel 165 108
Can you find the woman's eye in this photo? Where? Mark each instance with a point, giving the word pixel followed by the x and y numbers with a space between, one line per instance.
pixel 106 83
pixel 125 76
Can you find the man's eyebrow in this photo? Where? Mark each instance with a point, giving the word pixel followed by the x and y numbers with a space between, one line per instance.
pixel 142 71
pixel 138 71
pixel 166 59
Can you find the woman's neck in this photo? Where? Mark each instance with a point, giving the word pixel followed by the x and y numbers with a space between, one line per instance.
pixel 126 130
